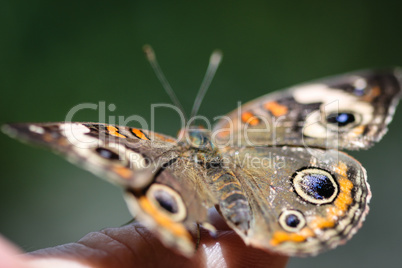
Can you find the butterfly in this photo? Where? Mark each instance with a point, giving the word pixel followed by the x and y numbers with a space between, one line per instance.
pixel 273 167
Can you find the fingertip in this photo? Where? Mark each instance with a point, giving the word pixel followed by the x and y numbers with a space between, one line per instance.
pixel 10 255
pixel 135 245
pixel 127 246
pixel 56 262
pixel 229 248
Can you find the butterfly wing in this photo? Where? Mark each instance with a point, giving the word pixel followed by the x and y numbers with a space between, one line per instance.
pixel 162 189
pixel 110 152
pixel 351 111
pixel 299 204
pixel 300 198
pixel 173 203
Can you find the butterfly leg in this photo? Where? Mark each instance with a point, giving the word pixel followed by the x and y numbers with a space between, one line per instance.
pixel 198 233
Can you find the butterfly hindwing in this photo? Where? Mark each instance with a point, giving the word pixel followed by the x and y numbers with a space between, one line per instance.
pixel 300 203
pixel 173 203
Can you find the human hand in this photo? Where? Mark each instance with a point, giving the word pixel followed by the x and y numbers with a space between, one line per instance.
pixel 135 246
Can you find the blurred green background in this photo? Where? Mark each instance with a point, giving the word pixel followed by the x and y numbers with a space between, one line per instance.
pixel 57 54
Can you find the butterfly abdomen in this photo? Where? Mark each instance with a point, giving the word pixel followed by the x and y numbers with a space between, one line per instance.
pixel 233 203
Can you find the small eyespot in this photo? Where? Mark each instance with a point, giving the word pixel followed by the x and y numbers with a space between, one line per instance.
pixel 36 129
pixel 360 86
pixel 107 154
pixel 341 119
pixel 292 220
pixel 315 185
pixel 168 200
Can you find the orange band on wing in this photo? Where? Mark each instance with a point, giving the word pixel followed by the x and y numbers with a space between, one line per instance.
pixel 357 131
pixel 48 137
pixel 275 108
pixel 250 118
pixel 372 94
pixel 114 132
pixel 162 220
pixel 123 172
pixel 139 134
pixel 223 133
pixel 280 236
pixel 344 198
pixel 164 138
pixel 341 169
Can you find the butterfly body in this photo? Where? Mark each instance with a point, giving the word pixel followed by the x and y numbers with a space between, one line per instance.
pixel 271 167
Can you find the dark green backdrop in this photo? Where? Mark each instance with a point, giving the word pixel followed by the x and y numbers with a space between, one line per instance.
pixel 57 54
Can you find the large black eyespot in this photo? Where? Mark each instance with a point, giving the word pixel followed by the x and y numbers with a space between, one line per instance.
pixel 107 154
pixel 318 186
pixel 341 119
pixel 167 200
pixel 315 185
pixel 292 220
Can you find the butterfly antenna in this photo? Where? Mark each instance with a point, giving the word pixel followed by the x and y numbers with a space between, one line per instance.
pixel 151 57
pixel 213 65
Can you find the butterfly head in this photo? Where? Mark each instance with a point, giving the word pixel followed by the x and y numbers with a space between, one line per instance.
pixel 196 137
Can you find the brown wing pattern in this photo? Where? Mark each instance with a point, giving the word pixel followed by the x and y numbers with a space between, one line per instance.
pixel 266 169
pixel 350 111
pixel 300 204
pixel 163 189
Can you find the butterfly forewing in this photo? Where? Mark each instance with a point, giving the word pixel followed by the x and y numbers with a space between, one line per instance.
pixel 163 189
pixel 351 111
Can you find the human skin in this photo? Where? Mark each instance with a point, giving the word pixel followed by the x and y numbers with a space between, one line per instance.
pixel 135 246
